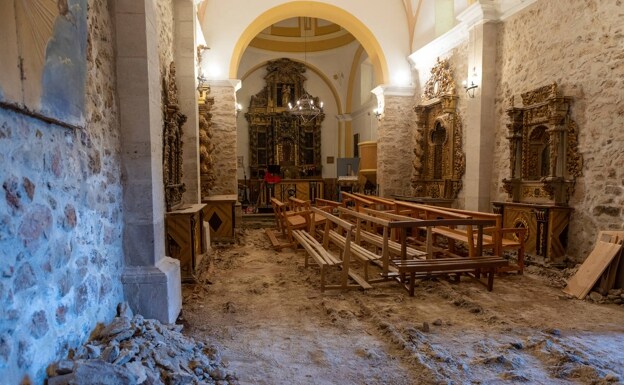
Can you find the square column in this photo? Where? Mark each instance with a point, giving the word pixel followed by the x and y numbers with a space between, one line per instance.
pixel 151 280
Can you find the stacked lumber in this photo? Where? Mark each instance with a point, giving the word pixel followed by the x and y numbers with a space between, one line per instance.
pixel 603 269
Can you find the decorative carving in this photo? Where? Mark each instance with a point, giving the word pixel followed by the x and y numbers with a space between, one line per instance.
pixel 172 142
pixel 439 162
pixel 275 136
pixel 543 145
pixel 441 81
pixel 206 146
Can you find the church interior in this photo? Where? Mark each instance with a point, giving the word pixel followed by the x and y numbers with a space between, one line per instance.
pixel 140 140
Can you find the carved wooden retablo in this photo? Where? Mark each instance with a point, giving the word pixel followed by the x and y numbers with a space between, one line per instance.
pixel 275 136
pixel 206 146
pixel 172 142
pixel 440 161
pixel 544 160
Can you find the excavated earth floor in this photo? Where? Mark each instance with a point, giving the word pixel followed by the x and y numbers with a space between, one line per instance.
pixel 265 311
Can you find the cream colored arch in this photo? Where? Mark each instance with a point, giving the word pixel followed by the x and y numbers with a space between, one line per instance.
pixel 321 11
pixel 317 71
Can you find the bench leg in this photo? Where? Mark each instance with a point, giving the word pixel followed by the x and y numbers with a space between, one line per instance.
pixel 490 278
pixel 411 283
pixel 521 260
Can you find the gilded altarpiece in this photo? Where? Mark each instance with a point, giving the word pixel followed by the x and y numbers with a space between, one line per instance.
pixel 206 144
pixel 172 141
pixel 544 163
pixel 184 223
pixel 276 137
pixel 439 162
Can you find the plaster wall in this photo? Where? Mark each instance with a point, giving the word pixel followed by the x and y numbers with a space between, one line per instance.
pixel 580 46
pixel 225 22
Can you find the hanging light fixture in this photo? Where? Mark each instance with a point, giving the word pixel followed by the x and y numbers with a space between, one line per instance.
pixel 305 108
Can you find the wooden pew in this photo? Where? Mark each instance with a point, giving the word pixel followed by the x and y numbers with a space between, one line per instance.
pixel 359 202
pixel 381 204
pixel 286 221
pixel 496 239
pixel 322 254
pixel 464 233
pixel 444 266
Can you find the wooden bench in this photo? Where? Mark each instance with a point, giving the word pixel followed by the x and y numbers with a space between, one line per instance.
pixel 368 222
pixel 286 221
pixel 496 237
pixel 323 256
pixel 445 266
pixel 455 232
pixel 297 205
pixel 381 204
pixel 357 201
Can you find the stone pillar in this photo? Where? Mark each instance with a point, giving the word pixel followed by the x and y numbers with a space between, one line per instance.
pixel 151 280
pixel 395 147
pixel 480 121
pixel 224 135
pixel 186 76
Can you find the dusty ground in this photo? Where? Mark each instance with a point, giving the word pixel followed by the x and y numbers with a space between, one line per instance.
pixel 275 327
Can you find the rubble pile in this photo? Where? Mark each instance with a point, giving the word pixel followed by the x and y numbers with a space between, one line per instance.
pixel 133 350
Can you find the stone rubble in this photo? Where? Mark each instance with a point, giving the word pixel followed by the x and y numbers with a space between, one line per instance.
pixel 134 350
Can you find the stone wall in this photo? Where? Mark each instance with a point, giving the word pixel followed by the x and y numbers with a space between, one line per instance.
pixel 224 139
pixel 165 28
pixel 579 46
pixel 60 222
pixel 395 150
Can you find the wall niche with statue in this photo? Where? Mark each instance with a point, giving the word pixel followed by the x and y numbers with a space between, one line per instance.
pixel 544 163
pixel 440 163
pixel 277 138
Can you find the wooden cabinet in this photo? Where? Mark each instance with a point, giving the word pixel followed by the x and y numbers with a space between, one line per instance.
pixel 547 226
pixel 219 213
pixel 185 238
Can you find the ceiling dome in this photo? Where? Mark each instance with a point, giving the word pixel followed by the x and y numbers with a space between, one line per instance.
pixel 289 35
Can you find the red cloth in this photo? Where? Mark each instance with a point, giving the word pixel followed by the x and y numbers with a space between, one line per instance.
pixel 270 178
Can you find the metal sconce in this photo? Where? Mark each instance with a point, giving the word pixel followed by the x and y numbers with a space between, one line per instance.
pixel 470 88
pixel 378 113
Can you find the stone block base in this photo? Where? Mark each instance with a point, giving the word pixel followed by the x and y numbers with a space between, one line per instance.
pixel 154 291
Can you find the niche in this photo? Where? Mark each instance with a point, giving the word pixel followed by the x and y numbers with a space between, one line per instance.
pixel 543 148
pixel 439 163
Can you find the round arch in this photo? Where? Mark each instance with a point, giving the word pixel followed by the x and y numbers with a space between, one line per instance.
pixel 319 10
pixel 312 68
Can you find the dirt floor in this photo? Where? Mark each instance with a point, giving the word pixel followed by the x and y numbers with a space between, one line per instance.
pixel 274 326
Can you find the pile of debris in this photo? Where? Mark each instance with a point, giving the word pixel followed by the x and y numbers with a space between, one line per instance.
pixel 133 350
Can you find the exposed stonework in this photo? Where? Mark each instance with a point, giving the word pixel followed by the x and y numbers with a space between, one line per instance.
pixel 395 150
pixel 165 27
pixel 579 46
pixel 60 221
pixel 224 139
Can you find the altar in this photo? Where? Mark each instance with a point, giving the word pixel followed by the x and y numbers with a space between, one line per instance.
pixel 261 192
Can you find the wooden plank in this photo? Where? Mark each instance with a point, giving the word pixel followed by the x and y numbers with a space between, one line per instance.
pixel 609 279
pixel 589 272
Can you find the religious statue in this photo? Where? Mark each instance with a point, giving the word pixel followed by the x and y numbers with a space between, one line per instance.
pixel 285 95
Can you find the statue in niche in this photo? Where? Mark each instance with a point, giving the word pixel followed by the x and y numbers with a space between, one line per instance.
pixel 439 162
pixel 285 95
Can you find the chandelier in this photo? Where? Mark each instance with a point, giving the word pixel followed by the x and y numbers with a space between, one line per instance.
pixel 305 108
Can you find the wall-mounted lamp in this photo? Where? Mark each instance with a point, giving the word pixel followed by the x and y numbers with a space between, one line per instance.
pixel 239 108
pixel 470 88
pixel 378 113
